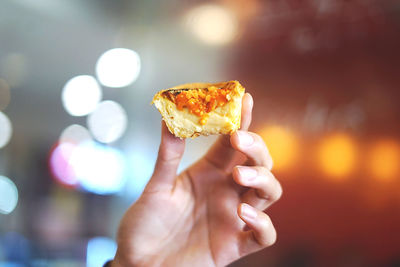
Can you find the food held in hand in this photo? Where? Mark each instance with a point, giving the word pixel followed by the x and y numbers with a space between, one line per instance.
pixel 194 109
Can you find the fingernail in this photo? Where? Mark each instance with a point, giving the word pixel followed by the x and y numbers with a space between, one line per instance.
pixel 248 212
pixel 245 139
pixel 248 173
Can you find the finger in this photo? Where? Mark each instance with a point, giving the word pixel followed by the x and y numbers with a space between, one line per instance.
pixel 261 234
pixel 169 156
pixel 253 146
pixel 221 154
pixel 265 188
pixel 247 108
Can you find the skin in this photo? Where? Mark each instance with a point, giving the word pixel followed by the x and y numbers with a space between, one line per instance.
pixel 209 215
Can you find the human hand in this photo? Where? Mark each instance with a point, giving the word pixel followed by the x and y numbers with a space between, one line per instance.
pixel 209 215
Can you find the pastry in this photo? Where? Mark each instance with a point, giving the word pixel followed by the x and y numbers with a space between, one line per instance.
pixel 194 109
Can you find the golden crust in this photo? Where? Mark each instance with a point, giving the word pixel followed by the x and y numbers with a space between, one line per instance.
pixel 222 120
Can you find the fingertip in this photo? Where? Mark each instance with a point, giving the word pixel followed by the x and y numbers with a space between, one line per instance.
pixel 236 175
pixel 247 107
pixel 169 155
pixel 260 223
pixel 247 213
pixel 239 211
pixel 170 146
pixel 249 101
pixel 167 135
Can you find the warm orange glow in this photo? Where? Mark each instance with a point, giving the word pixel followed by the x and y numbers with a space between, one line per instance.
pixel 282 144
pixel 337 155
pixel 384 160
pixel 212 24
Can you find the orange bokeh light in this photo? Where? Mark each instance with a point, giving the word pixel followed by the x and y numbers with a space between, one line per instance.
pixel 282 145
pixel 337 156
pixel 384 159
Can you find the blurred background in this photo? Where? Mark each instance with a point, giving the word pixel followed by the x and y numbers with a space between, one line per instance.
pixel 78 136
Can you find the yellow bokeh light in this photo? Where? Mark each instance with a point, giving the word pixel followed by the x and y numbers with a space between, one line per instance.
pixel 384 159
pixel 212 24
pixel 282 145
pixel 337 156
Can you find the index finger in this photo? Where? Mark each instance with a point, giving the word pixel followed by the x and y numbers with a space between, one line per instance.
pixel 222 155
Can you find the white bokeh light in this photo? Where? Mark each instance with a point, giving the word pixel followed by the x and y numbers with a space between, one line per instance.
pixel 99 251
pixel 118 67
pixel 108 122
pixel 81 95
pixel 5 130
pixel 8 195
pixel 100 169
pixel 75 134
pixel 212 24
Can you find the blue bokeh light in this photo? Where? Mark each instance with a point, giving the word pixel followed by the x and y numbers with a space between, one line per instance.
pixel 100 169
pixel 99 251
pixel 141 167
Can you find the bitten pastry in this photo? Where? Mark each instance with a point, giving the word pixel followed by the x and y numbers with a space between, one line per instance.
pixel 194 109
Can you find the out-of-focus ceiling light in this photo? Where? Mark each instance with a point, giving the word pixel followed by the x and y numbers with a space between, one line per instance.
pixel 81 95
pixel 5 130
pixel 75 134
pixel 213 24
pixel 118 67
pixel 282 144
pixel 337 156
pixel 8 195
pixel 141 167
pixel 60 167
pixel 384 159
pixel 107 122
pixel 99 169
pixel 99 251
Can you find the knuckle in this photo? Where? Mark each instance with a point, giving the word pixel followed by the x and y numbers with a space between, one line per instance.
pixel 169 155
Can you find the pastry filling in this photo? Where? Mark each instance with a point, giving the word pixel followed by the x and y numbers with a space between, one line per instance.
pixel 199 101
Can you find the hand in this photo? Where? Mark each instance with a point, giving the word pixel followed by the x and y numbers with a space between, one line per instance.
pixel 209 215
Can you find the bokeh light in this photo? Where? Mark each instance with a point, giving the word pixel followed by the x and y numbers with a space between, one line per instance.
pixel 5 130
pixel 108 122
pixel 100 169
pixel 81 95
pixel 118 67
pixel 384 160
pixel 337 155
pixel 141 166
pixel 8 195
pixel 212 24
pixel 282 145
pixel 60 166
pixel 99 251
pixel 5 94
pixel 75 134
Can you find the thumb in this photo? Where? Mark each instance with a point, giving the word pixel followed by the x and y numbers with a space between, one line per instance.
pixel 169 156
